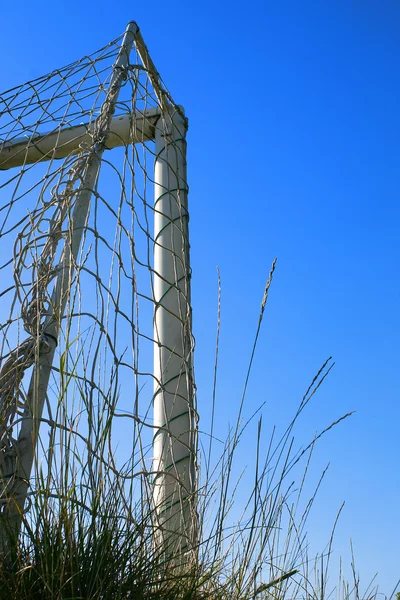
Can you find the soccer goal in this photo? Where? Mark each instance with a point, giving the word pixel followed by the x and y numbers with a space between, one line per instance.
pixel 96 344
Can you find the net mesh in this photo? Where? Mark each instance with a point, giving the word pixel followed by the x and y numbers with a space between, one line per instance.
pixel 99 397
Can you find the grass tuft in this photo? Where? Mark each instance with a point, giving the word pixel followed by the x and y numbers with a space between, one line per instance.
pixel 87 536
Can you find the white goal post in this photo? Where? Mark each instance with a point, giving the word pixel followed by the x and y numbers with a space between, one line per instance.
pixel 175 418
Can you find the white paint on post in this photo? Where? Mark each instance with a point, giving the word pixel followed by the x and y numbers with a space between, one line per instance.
pixel 174 412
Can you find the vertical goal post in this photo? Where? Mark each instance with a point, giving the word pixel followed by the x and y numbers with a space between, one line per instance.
pixel 58 269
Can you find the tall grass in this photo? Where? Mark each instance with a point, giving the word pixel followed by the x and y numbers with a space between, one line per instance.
pixel 86 534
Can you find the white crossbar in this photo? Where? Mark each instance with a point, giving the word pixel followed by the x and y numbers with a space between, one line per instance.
pixel 125 129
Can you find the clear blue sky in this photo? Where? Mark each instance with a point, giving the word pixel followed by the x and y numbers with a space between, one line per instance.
pixel 294 152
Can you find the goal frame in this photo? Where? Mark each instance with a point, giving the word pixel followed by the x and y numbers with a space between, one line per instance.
pixel 175 417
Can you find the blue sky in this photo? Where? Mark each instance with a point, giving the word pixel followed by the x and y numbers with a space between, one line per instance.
pixel 293 152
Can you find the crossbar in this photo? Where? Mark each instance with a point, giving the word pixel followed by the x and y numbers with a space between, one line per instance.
pixel 60 143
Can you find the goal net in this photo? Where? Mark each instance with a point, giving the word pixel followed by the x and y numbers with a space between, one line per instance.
pixel 96 374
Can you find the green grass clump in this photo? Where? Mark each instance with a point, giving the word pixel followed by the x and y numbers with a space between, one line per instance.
pixel 87 536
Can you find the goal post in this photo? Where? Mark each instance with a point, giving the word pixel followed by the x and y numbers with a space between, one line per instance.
pixel 174 469
pixel 174 414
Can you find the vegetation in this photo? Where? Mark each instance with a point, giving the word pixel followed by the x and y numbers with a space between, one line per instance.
pixel 87 538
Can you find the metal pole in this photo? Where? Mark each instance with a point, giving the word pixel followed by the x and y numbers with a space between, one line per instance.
pixel 29 433
pixel 175 440
pixel 64 142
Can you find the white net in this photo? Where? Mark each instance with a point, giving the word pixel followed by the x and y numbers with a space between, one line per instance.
pixel 78 286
